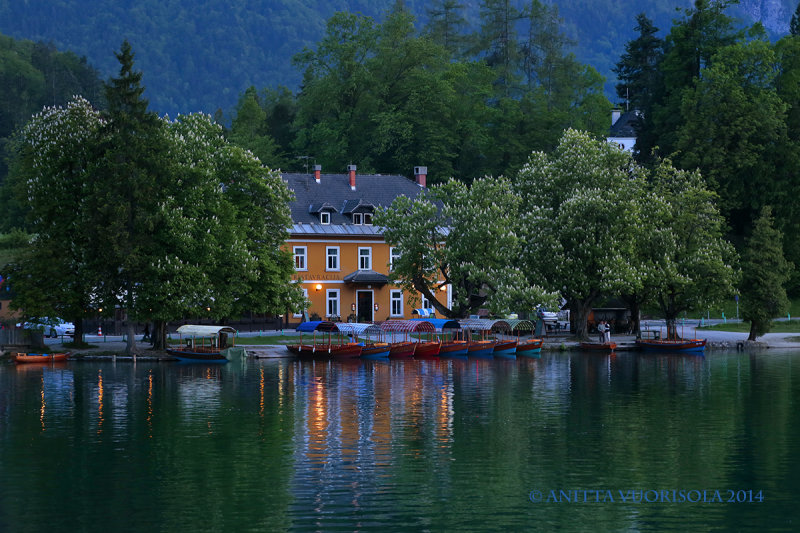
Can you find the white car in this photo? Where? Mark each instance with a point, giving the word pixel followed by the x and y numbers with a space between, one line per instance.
pixel 51 328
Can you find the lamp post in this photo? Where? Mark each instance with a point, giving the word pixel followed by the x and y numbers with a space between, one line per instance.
pixel 736 297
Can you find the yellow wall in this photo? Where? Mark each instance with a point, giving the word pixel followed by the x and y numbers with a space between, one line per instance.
pixel 318 275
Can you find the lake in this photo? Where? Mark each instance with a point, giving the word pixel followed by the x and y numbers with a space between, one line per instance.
pixel 571 441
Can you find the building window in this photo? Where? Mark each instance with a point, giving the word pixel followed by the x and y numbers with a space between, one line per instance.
pixel 368 218
pixel 325 217
pixel 396 303
pixel 333 303
pixel 365 258
pixel 394 255
pixel 305 299
pixel 332 255
pixel 426 304
pixel 300 258
pixel 357 218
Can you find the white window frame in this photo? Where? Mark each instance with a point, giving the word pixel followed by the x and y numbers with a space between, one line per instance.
pixel 394 254
pixel 305 298
pixel 324 218
pixel 368 219
pixel 426 304
pixel 396 298
pixel 300 252
pixel 367 257
pixel 332 297
pixel 328 256
pixel 357 218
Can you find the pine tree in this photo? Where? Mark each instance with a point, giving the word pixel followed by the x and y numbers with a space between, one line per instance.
pixel 637 69
pixel 764 274
pixel 794 25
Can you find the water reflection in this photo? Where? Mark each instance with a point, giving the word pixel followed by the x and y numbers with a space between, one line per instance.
pixel 433 445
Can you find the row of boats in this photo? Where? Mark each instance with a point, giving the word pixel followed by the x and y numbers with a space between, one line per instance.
pixel 420 349
pixel 420 338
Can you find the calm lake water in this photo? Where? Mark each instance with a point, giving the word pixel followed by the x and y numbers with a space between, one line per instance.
pixel 570 441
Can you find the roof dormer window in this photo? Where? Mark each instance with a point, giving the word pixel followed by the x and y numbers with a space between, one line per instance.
pixel 357 218
pixel 368 218
pixel 325 217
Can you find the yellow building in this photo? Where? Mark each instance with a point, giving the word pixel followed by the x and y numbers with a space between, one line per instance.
pixel 340 257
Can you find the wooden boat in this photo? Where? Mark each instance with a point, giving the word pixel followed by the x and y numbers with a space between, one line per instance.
pixel 39 357
pixel 345 351
pixel 454 349
pixel 598 346
pixel 403 349
pixel 376 350
pixel 530 348
pixel 505 348
pixel 481 348
pixel 212 340
pixel 672 345
pixel 427 350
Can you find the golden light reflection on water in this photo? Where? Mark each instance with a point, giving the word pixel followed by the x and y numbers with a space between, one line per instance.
pixel 44 404
pixel 150 404
pixel 99 401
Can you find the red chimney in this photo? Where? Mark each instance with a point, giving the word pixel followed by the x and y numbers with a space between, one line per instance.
pixel 352 170
pixel 317 172
pixel 420 175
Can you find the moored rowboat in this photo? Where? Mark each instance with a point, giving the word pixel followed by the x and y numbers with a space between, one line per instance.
pixel 481 348
pixel 454 348
pixel 402 349
pixel 427 350
pixel 40 357
pixel 530 348
pixel 505 348
pixel 676 345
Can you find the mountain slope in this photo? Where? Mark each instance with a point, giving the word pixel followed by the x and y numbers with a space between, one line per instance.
pixel 200 55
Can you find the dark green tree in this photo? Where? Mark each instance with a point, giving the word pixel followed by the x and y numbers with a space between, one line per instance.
pixel 497 43
pixel 250 130
pixel 690 48
pixel 131 167
pixel 794 24
pixel 638 68
pixel 765 272
pixel 447 26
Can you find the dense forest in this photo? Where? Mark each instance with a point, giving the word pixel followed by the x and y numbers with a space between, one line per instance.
pixel 199 56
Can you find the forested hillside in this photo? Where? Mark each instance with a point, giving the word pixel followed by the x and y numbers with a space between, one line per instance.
pixel 203 55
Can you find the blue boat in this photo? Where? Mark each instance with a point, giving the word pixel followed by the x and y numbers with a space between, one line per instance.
pixel 505 349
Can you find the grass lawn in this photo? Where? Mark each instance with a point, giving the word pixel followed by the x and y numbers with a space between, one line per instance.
pixel 783 326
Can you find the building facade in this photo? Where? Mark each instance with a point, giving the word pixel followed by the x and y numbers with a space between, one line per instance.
pixel 340 257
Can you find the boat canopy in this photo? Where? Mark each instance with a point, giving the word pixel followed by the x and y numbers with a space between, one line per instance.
pixel 520 325
pixel 358 329
pixel 484 324
pixel 440 324
pixel 407 326
pixel 204 331
pixel 316 325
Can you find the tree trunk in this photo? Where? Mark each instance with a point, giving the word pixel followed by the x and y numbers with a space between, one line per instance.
pixel 159 335
pixel 78 337
pixel 672 326
pixel 753 331
pixel 130 332
pixel 579 315
pixel 636 318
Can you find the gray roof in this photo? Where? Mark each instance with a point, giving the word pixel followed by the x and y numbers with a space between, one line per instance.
pixel 334 189
pixel 366 276
pixel 626 125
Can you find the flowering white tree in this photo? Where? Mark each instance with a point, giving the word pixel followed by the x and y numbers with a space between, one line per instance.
pixel 691 265
pixel 49 175
pixel 581 215
pixel 464 236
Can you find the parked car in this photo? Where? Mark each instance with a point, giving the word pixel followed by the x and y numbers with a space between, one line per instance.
pixel 55 327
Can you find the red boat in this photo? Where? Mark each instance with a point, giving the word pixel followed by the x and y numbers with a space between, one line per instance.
pixel 599 346
pixel 427 350
pixel 345 351
pixel 672 345
pixel 505 348
pixel 40 357
pixel 530 348
pixel 402 349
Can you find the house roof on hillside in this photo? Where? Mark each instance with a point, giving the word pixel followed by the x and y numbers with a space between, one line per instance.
pixel 333 193
pixel 625 126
